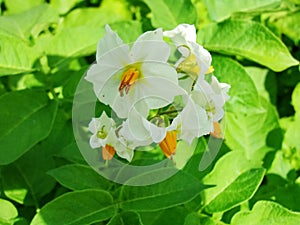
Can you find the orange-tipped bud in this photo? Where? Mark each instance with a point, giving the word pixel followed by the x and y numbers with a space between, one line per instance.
pixel 128 79
pixel 217 133
pixel 108 152
pixel 168 145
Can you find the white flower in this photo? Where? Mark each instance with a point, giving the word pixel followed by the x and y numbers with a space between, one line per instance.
pixel 211 96
pixel 196 60
pixel 105 135
pixel 190 123
pixel 124 76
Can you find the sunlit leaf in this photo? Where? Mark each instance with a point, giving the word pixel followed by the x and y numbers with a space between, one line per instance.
pixel 236 179
pixel 168 14
pixel 248 39
pixel 222 9
pixel 266 213
pixel 7 212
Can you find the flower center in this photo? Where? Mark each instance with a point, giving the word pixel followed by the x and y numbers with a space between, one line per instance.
pixel 102 133
pixel 128 79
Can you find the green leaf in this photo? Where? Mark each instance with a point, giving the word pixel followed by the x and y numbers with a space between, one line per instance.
pixel 240 37
pixel 243 93
pixel 200 219
pixel 63 6
pixel 176 190
pixel 79 177
pixel 36 19
pixel 16 56
pixel 7 212
pixel 80 207
pixel 296 99
pixel 288 25
pixel 266 213
pixel 18 6
pixel 74 42
pixel 29 125
pixel 25 181
pixel 135 28
pixel 108 13
pixel 265 82
pixel 168 14
pixel 126 218
pixel 248 131
pixel 174 216
pixel 236 179
pixel 10 28
pixel 291 142
pixel 222 9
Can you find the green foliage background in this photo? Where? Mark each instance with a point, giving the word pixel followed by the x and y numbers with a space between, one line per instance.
pixel 47 46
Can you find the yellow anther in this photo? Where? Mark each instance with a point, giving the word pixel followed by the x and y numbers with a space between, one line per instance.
pixel 168 145
pixel 128 79
pixel 108 152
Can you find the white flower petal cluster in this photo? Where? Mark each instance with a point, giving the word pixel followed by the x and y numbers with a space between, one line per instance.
pixel 155 101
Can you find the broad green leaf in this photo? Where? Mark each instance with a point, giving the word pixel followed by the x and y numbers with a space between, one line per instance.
pixel 36 19
pixel 248 39
pixel 122 28
pixel 200 219
pixel 174 216
pixel 17 6
pixel 126 218
pixel 79 177
pixel 109 12
pixel 8 212
pixel 296 100
pixel 176 190
pixel 242 92
pixel 10 28
pixel 168 13
pixel 77 208
pixel 71 153
pixel 288 25
pixel 222 9
pixel 29 125
pixel 265 82
pixel 16 56
pixel 236 179
pixel 63 6
pixel 74 42
pixel 266 213
pixel 291 142
pixel 248 131
pixel 25 181
pixel 280 165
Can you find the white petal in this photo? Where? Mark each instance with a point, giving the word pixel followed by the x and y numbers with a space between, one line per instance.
pixel 181 34
pixel 96 142
pixel 110 41
pixel 150 47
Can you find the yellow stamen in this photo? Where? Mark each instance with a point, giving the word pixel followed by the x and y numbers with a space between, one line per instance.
pixel 168 145
pixel 108 152
pixel 128 79
pixel 210 70
pixel 217 133
pixel 190 67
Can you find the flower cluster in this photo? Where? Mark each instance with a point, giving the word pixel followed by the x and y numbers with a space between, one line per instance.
pixel 155 101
